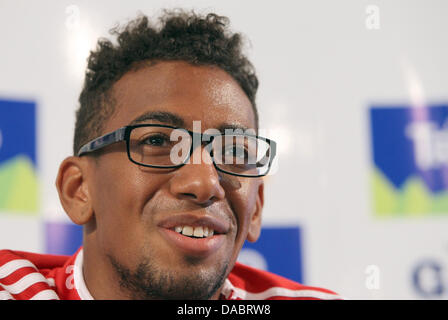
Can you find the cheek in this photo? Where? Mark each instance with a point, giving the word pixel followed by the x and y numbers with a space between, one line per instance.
pixel 119 199
pixel 243 204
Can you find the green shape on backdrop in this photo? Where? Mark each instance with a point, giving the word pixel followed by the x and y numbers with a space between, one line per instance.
pixel 18 186
pixel 412 199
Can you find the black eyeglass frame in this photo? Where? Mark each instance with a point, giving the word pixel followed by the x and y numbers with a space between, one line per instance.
pixel 124 134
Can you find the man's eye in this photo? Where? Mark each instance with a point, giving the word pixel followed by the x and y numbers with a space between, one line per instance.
pixel 236 151
pixel 156 140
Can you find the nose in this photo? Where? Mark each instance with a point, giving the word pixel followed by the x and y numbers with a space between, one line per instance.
pixel 198 181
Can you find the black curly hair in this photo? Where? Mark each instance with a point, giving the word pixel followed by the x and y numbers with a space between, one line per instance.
pixel 182 35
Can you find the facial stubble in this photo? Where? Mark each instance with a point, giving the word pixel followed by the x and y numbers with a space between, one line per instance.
pixel 149 281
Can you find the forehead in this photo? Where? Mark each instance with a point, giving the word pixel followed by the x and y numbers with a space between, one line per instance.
pixel 193 93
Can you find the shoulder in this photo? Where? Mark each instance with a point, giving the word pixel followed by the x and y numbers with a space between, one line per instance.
pixel 25 275
pixel 41 261
pixel 249 283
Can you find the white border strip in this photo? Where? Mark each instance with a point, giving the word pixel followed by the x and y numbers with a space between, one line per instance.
pixel 24 283
pixel 14 265
pixel 4 295
pixel 47 294
pixel 279 292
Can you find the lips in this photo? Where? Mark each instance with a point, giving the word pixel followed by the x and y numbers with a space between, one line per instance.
pixel 195 235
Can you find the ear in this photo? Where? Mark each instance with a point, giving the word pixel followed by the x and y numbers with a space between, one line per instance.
pixel 255 223
pixel 73 189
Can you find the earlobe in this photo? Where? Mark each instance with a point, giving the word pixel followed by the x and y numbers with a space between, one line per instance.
pixel 255 223
pixel 73 189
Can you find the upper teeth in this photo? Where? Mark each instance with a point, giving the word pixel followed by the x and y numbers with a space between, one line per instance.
pixel 199 232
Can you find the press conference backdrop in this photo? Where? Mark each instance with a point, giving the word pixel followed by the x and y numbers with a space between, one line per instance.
pixel 355 93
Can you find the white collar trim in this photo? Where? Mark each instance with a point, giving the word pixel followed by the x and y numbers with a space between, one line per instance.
pixel 78 278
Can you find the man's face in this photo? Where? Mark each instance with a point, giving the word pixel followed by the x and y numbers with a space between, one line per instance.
pixel 137 209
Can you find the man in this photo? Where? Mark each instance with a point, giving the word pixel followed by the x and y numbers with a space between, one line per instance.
pixel 159 222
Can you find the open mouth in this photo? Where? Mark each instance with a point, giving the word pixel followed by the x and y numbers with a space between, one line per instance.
pixel 195 232
pixel 194 235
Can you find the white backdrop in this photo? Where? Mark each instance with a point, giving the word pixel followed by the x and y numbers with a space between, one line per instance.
pixel 321 65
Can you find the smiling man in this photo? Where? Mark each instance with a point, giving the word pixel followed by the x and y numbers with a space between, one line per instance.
pixel 159 224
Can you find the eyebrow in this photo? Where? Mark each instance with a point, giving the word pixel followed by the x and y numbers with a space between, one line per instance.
pixel 160 116
pixel 233 127
pixel 175 120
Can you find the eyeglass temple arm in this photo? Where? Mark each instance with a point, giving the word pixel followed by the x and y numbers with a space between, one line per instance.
pixel 104 140
pixel 269 155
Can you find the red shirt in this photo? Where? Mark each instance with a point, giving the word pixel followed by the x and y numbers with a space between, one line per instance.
pixel 31 276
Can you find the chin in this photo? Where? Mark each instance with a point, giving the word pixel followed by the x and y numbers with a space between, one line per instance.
pixel 193 280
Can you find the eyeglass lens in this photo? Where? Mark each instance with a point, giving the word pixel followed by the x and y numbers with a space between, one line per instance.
pixel 168 147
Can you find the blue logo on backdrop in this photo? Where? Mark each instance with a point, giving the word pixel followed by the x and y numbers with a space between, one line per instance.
pixel 278 250
pixel 410 156
pixel 18 178
pixel 18 127
pixel 62 238
pixel 429 275
pixel 427 278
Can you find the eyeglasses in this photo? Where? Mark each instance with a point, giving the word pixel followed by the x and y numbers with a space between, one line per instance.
pixel 166 147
